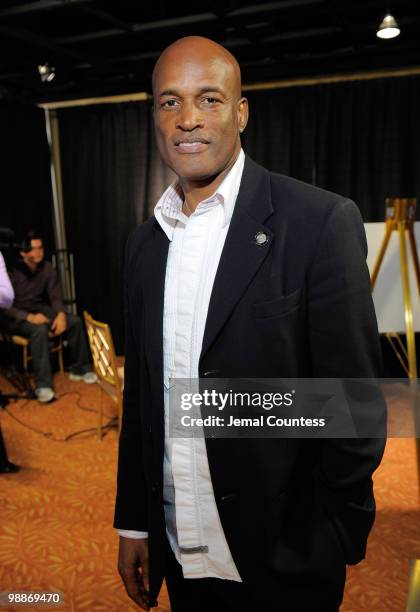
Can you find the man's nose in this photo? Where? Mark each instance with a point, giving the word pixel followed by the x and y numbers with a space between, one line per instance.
pixel 190 117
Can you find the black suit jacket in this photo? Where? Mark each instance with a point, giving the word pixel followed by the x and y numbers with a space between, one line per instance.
pixel 294 511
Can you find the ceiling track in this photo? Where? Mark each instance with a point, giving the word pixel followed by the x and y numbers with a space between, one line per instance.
pixel 298 82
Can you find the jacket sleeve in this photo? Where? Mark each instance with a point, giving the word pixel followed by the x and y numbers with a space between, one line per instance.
pixel 131 500
pixel 6 290
pixel 12 312
pixel 344 343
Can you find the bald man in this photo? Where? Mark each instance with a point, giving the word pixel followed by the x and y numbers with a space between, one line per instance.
pixel 240 273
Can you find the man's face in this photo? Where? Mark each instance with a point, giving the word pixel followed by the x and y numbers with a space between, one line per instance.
pixel 35 255
pixel 198 113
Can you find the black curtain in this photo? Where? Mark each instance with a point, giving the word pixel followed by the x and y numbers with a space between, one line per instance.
pixel 359 138
pixel 105 168
pixel 281 132
pixel 26 199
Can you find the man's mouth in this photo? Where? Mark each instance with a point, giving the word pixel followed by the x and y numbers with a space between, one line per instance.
pixel 191 145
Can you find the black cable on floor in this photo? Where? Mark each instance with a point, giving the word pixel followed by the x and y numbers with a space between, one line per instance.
pixel 111 424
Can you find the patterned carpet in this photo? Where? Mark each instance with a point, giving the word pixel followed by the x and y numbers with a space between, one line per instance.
pixel 56 515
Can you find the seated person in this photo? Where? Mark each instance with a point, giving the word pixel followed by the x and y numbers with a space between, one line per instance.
pixel 37 310
pixel 6 300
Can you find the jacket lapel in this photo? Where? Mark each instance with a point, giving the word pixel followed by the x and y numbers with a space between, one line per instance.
pixel 242 255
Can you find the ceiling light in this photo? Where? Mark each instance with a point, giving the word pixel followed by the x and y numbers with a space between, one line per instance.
pixel 388 27
pixel 46 72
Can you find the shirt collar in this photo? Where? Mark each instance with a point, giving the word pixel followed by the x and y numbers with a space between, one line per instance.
pixel 168 210
pixel 22 267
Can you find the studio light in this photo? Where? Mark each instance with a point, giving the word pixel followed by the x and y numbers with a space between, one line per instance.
pixel 388 28
pixel 46 72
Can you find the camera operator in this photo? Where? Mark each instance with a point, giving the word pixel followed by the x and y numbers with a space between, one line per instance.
pixel 6 300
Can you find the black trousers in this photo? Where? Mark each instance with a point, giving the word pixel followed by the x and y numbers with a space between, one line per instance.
pixel 204 594
pixel 39 344
pixel 217 595
pixel 3 454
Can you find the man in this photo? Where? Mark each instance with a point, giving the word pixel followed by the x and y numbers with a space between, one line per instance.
pixel 38 312
pixel 6 300
pixel 239 273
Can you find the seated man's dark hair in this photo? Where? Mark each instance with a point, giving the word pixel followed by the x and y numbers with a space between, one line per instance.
pixel 26 242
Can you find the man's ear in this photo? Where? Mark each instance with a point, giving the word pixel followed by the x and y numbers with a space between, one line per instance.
pixel 243 114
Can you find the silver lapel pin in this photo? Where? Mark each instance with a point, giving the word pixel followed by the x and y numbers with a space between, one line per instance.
pixel 261 238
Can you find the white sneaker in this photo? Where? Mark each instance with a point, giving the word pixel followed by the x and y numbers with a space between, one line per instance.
pixel 44 394
pixel 89 377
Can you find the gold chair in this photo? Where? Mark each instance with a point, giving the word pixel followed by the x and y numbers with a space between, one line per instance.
pixel 110 376
pixel 24 343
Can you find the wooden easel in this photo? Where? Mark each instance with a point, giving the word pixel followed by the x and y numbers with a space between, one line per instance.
pixel 400 214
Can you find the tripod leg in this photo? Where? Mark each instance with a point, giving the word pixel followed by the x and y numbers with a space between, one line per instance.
pixel 408 309
pixel 414 254
pixel 381 254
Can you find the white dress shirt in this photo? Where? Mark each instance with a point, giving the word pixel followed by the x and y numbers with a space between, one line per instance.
pixel 196 243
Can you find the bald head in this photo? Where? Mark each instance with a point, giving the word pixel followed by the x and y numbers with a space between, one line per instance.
pixel 197 48
pixel 198 109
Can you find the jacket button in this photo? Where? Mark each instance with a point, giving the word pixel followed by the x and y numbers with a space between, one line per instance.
pixel 228 497
pixel 210 372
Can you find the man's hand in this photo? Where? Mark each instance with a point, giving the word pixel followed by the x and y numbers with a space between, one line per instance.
pixel 37 319
pixel 134 555
pixel 59 325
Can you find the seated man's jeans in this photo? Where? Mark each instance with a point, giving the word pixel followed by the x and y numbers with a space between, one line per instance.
pixel 39 344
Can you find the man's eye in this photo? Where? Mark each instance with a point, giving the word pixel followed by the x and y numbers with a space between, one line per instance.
pixel 210 100
pixel 169 103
